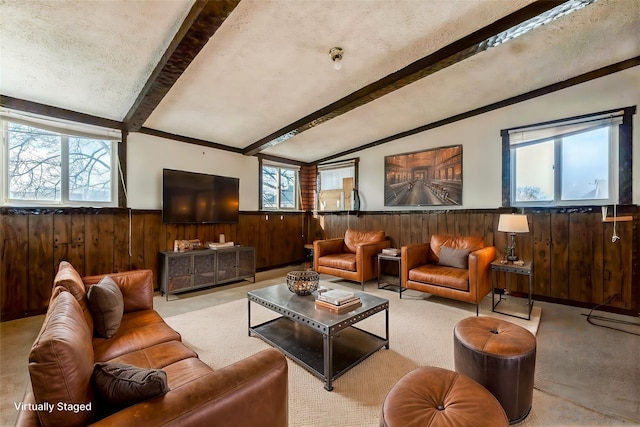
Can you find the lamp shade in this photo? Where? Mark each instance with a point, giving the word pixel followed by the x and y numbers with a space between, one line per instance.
pixel 513 223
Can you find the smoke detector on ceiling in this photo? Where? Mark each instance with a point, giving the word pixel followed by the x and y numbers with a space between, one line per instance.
pixel 336 56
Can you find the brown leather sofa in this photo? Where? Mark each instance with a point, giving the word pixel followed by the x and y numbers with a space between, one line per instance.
pixel 62 391
pixel 352 257
pixel 464 274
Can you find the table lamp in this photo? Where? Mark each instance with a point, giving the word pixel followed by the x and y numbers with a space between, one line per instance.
pixel 512 224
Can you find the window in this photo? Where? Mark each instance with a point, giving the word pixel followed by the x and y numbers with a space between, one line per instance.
pixel 574 161
pixel 49 165
pixel 279 186
pixel 337 186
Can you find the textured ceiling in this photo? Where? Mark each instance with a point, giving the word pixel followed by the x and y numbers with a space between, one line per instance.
pixel 268 64
pixel 92 57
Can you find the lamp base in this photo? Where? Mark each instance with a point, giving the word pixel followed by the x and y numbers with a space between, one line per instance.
pixel 512 258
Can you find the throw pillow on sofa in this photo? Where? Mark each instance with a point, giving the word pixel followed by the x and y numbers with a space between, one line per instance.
pixel 450 257
pixel 106 305
pixel 121 385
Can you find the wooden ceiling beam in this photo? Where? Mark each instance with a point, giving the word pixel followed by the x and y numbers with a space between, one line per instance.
pixel 203 20
pixel 554 87
pixel 441 59
pixel 59 113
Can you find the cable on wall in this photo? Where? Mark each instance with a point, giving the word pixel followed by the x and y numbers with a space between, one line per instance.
pixel 124 189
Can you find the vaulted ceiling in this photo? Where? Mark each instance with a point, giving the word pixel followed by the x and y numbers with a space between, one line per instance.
pixel 256 77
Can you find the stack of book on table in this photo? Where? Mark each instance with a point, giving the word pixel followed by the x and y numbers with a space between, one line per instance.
pixel 338 301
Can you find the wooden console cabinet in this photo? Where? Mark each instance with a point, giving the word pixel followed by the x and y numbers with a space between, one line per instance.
pixel 190 270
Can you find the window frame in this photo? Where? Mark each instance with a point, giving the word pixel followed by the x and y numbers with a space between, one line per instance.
pixel 622 187
pixel 297 190
pixel 339 164
pixel 65 131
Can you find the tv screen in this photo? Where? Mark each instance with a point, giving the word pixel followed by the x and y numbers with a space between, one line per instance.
pixel 198 198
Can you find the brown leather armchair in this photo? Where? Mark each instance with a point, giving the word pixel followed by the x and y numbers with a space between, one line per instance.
pixel 461 271
pixel 352 257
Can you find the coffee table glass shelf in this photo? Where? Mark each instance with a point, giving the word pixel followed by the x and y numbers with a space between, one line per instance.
pixel 325 343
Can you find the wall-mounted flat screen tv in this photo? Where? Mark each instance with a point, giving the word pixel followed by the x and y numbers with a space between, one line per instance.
pixel 198 198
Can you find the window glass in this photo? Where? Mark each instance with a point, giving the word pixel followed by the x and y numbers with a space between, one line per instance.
pixel 279 187
pixel 287 188
pixel 89 170
pixel 51 168
pixel 566 162
pixel 269 187
pixel 585 165
pixel 336 184
pixel 534 172
pixel 35 164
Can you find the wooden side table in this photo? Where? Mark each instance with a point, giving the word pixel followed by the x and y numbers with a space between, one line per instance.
pixel 390 286
pixel 510 268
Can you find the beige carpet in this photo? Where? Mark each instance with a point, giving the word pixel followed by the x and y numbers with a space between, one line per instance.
pixel 421 333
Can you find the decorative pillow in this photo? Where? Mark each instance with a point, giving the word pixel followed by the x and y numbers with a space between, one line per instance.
pixel 121 385
pixel 106 304
pixel 450 257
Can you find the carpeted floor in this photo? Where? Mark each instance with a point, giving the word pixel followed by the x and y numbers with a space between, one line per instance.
pixel 420 334
pixel 585 375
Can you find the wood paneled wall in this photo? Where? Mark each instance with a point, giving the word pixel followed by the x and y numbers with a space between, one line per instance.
pixel 97 241
pixel 575 261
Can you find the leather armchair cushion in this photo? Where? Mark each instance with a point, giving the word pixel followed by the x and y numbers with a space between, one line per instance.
pixel 354 237
pixel 120 385
pixel 470 243
pixel 451 257
pixel 106 306
pixel 61 363
pixel 450 277
pixel 343 261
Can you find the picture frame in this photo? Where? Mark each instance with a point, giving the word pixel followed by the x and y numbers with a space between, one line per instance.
pixel 430 177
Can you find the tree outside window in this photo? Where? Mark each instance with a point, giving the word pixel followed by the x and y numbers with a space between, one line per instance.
pixel 279 187
pixel 46 167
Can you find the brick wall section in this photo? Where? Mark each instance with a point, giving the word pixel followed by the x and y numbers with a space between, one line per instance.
pixel 308 187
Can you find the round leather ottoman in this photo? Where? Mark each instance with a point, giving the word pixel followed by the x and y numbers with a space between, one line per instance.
pixel 502 357
pixel 431 397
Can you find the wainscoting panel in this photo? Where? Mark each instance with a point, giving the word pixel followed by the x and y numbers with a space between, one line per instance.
pixel 99 241
pixel 575 261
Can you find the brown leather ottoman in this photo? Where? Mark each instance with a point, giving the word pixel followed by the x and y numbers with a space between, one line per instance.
pixel 431 397
pixel 502 357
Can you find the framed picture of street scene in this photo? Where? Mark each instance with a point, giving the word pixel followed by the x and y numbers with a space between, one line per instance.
pixel 424 178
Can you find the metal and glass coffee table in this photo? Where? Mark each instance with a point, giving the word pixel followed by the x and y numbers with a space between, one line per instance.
pixel 325 343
